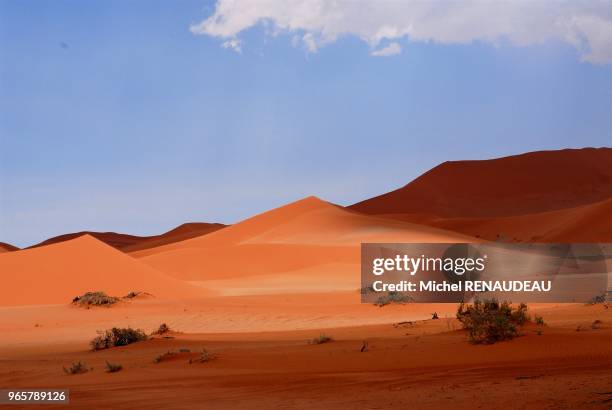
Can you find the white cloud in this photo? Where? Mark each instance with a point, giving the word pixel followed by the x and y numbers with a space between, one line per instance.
pixel 391 50
pixel 233 44
pixel 585 24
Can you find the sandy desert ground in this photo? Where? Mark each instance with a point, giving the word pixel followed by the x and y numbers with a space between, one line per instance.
pixel 253 294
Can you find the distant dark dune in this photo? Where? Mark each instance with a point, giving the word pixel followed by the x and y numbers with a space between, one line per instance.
pixel 130 243
pixel 515 185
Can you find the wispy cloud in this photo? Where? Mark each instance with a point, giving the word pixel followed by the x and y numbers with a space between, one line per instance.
pixel 390 50
pixel 233 44
pixel 584 24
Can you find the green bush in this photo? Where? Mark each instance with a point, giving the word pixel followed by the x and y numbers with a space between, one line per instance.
pixel 117 337
pixel 490 321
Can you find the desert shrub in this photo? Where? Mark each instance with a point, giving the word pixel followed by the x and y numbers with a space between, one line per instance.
pixel 366 289
pixel 595 300
pixel 205 356
pixel 539 320
pixel 132 294
pixel 117 337
pixel 161 357
pixel 163 328
pixel 393 297
pixel 95 299
pixel 490 321
pixel 113 367
pixel 320 340
pixel 76 368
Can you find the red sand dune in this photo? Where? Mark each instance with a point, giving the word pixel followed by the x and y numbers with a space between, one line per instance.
pixel 129 243
pixel 306 240
pixel 56 273
pixel 7 247
pixel 515 185
pixel 587 223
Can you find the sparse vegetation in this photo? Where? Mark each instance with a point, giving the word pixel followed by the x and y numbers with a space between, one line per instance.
pixel 367 289
pixel 320 340
pixel 132 294
pixel 117 337
pixel 393 297
pixel 162 329
pixel 539 320
pixel 595 300
pixel 205 356
pixel 113 367
pixel 184 350
pixel 161 357
pixel 596 324
pixel 76 368
pixel 95 299
pixel 490 321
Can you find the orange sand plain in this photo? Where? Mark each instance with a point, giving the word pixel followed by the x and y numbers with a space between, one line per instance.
pixel 252 294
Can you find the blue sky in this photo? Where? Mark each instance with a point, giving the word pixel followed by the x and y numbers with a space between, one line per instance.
pixel 115 116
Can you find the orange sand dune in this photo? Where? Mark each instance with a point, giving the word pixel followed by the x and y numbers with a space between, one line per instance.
pixel 282 243
pixel 587 223
pixel 128 243
pixel 7 247
pixel 56 273
pixel 515 185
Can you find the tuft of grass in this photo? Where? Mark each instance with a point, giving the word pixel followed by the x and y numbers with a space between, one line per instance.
pixel 491 321
pixel 113 367
pixel 94 299
pixel 205 356
pixel 323 338
pixel 117 337
pixel 161 357
pixel 539 320
pixel 76 368
pixel 162 329
pixel 132 294
pixel 393 297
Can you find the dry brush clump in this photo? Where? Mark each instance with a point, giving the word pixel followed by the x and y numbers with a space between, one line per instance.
pixel 95 299
pixel 117 337
pixel 323 338
pixel 490 321
pixel 99 298
pixel 76 368
pixel 393 297
pixel 162 329
pixel 113 367
pixel 204 357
